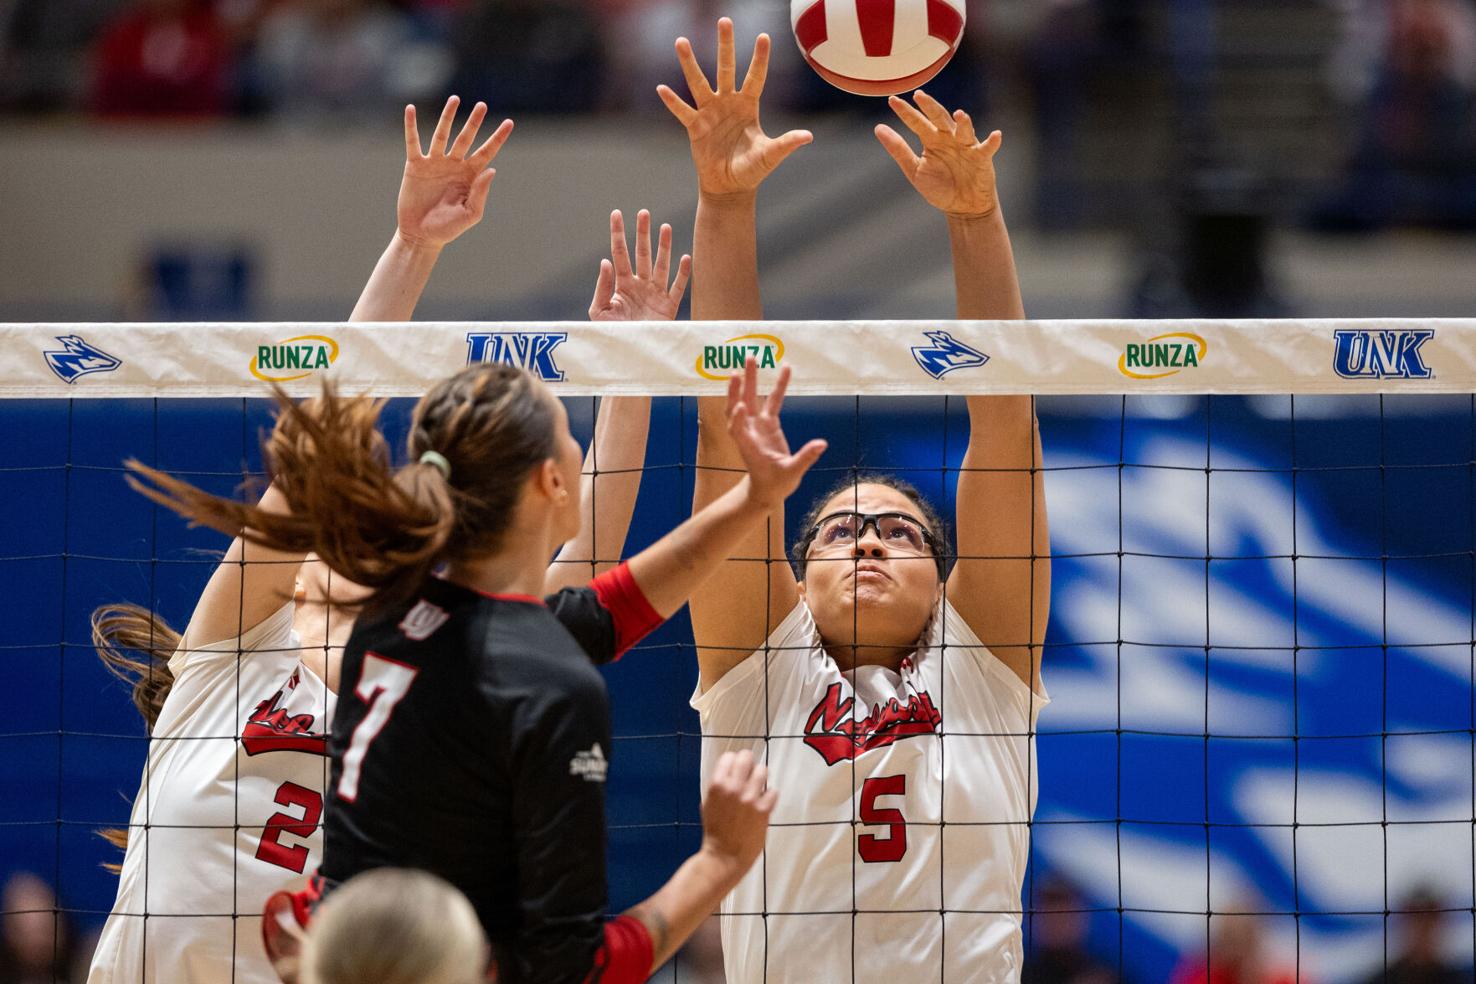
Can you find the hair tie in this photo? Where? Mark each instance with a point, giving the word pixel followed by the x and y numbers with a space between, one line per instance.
pixel 439 460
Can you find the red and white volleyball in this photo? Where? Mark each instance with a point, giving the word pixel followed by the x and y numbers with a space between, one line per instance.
pixel 877 47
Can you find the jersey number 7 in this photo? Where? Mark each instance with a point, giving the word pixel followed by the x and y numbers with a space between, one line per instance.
pixel 383 683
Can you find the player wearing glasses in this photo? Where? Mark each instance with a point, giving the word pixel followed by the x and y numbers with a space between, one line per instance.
pixel 893 694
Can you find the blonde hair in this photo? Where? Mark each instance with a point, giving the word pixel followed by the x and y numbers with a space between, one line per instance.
pixel 395 926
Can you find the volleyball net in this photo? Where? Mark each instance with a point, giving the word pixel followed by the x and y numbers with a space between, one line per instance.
pixel 1262 648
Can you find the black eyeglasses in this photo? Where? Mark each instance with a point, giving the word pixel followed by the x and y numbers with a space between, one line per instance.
pixel 844 529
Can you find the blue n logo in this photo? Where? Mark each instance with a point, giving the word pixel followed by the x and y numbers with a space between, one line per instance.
pixel 946 354
pixel 77 359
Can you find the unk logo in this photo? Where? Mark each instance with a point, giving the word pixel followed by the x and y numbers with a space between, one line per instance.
pixel 1365 354
pixel 77 358
pixel 530 350
pixel 946 354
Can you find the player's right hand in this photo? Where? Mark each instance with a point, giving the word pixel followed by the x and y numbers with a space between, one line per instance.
pixel 444 190
pixel 639 293
pixel 955 173
pixel 732 153
pixel 735 813
pixel 753 424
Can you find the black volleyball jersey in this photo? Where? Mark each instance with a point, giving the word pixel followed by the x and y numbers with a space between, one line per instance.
pixel 471 740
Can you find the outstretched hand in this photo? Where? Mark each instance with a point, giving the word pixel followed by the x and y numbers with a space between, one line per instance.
pixel 639 293
pixel 736 809
pixel 444 190
pixel 773 472
pixel 732 153
pixel 955 173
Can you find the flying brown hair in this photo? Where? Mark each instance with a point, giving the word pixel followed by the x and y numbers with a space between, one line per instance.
pixel 134 645
pixel 379 526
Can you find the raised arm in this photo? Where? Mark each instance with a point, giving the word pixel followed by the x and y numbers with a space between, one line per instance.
pixel 676 567
pixel 735 823
pixel 443 193
pixel 735 611
pixel 1001 582
pixel 611 477
pixel 735 814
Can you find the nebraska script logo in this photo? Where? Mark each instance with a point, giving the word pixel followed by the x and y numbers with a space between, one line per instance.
pixel 271 729
pixel 838 736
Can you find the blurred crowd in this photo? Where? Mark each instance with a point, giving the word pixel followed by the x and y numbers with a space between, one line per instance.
pixel 162 59
pixel 39 943
pixel 1236 949
pixel 1407 69
pixel 1400 75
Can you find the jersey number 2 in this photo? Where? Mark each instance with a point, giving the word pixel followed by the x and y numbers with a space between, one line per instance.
pixel 382 685
pixel 293 857
pixel 892 847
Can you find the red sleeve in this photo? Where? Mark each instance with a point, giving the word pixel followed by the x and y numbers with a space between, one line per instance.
pixel 625 957
pixel 622 597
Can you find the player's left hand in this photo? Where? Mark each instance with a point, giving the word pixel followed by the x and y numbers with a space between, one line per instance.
pixel 730 149
pixel 444 190
pixel 955 173
pixel 639 293
pixel 753 423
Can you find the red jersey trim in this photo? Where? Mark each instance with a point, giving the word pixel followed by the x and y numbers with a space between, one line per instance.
pixel 623 598
pixel 625 956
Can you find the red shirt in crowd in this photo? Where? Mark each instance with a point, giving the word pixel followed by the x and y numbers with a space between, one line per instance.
pixel 152 63
pixel 1198 973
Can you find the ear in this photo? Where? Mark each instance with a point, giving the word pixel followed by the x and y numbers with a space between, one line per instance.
pixel 800 586
pixel 547 480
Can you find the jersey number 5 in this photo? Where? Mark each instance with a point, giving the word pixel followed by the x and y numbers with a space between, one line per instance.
pixel 382 684
pixel 894 845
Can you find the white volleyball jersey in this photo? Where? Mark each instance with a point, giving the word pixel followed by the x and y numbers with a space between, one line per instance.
pixel 226 814
pixel 898 849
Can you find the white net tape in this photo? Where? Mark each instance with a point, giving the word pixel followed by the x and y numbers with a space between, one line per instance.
pixel 686 358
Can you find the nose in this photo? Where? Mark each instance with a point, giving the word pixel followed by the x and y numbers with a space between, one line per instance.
pixel 869 544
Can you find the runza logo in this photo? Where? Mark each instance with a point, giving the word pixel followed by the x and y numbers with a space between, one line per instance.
pixel 77 359
pixel 530 350
pixel 945 355
pixel 294 358
pixel 721 361
pixel 590 765
pixel 1163 354
pixel 838 736
pixel 1381 354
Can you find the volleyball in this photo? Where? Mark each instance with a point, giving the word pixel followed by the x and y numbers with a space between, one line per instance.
pixel 877 47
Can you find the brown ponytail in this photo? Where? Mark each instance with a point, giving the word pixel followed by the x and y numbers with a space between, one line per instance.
pixel 123 629
pixel 383 528
pixel 134 645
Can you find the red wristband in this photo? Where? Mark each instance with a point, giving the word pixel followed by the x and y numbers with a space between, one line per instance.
pixel 622 597
pixel 625 957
